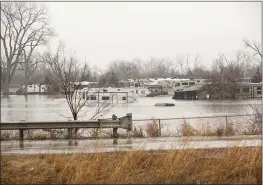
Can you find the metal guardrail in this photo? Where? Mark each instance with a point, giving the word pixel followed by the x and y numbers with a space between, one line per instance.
pixel 114 123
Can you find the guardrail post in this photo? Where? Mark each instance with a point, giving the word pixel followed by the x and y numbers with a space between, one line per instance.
pixel 130 124
pixel 21 135
pixel 115 130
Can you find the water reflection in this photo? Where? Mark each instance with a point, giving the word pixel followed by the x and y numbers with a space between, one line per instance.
pixel 50 108
pixel 21 144
pixel 72 142
pixel 138 144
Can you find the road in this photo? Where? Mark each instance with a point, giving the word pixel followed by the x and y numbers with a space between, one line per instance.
pixel 106 145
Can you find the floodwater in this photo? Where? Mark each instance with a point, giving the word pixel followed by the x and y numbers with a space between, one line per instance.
pixel 91 146
pixel 47 108
pixel 51 108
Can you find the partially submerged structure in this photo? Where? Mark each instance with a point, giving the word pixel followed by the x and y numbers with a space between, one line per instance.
pixel 190 89
pixel 201 89
pixel 249 90
pixel 190 93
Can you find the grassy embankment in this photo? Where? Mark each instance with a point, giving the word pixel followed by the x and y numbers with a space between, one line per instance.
pixel 227 166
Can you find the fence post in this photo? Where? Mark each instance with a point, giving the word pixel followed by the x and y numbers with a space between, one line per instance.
pixel 160 129
pixel 226 122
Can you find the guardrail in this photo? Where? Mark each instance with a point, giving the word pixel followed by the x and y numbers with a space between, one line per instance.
pixel 114 123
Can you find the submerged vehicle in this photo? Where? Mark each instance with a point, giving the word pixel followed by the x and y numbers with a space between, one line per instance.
pixel 164 104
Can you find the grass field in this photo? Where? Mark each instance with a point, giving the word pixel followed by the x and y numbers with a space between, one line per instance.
pixel 224 166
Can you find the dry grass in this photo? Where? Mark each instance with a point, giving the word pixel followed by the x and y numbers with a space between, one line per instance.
pixel 138 132
pixel 153 129
pixel 227 166
pixel 206 130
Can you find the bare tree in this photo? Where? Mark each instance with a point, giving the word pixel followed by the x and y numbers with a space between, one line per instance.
pixel 38 77
pixel 24 27
pixel 226 74
pixel 180 60
pixel 28 65
pixel 257 77
pixel 254 46
pixel 68 74
pixel 217 76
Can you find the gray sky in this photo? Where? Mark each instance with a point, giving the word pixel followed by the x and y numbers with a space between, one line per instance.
pixel 103 32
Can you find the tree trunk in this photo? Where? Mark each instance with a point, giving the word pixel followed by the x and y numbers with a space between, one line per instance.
pixel 6 83
pixel 75 116
pixel 6 88
pixel 26 85
pixel 26 78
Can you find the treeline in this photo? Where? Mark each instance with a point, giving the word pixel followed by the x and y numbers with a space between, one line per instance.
pixel 26 28
pixel 223 69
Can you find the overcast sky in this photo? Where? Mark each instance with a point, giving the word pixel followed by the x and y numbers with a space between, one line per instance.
pixel 103 32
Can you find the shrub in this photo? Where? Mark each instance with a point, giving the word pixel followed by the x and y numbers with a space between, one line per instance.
pixel 152 129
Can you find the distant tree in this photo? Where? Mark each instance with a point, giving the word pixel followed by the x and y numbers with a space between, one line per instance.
pixel 109 79
pixel 226 74
pixel 254 46
pixel 24 27
pixel 257 77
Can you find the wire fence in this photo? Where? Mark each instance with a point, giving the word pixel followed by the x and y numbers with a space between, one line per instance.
pixel 171 126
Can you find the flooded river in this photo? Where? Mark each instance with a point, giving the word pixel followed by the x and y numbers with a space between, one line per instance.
pixel 51 108
pixel 46 107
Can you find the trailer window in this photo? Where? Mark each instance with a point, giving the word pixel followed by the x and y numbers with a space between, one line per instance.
pixel 177 84
pixel 246 90
pixel 105 98
pixel 258 92
pixel 123 98
pixel 191 83
pixel 93 97
pixel 185 83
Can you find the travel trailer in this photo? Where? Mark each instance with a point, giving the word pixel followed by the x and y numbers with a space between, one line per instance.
pixel 117 95
pixel 35 88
